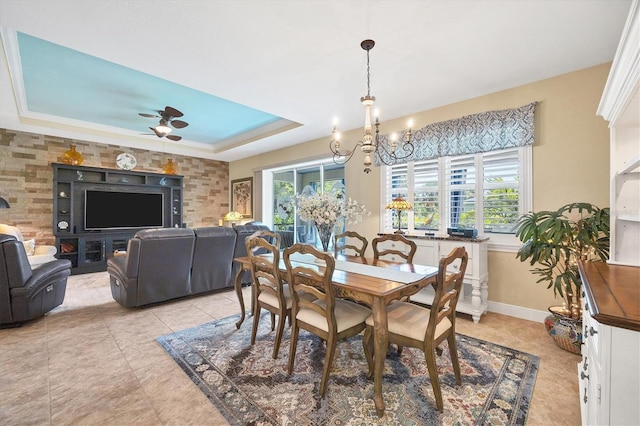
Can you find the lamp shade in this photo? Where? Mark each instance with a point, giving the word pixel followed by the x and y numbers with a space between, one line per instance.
pixel 399 203
pixel 4 204
pixel 163 129
pixel 231 216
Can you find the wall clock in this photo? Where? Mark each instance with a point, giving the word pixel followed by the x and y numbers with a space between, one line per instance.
pixel 126 161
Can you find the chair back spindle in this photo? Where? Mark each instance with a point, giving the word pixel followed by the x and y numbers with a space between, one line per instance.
pixel 268 290
pixel 350 240
pixel 404 247
pixel 315 307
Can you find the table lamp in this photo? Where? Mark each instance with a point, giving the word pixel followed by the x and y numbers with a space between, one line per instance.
pixel 399 204
pixel 233 217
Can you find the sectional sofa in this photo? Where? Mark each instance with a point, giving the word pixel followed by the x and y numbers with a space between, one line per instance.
pixel 170 263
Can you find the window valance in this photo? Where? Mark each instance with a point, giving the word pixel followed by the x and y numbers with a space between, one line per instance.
pixel 471 134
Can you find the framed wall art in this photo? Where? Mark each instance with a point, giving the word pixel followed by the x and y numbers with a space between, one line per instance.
pixel 242 196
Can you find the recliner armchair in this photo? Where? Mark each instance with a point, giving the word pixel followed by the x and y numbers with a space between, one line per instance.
pixel 27 293
pixel 156 268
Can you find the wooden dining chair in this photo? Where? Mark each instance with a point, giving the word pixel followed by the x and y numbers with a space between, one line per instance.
pixel 401 247
pixel 415 326
pixel 269 291
pixel 350 240
pixel 315 307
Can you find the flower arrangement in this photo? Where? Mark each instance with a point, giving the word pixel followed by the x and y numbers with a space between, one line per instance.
pixel 324 210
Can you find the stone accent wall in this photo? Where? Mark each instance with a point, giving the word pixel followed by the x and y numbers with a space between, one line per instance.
pixel 26 180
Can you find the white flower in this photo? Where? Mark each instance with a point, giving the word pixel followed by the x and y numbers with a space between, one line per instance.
pixel 327 209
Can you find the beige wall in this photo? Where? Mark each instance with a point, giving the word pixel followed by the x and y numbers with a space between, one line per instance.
pixel 26 180
pixel 570 163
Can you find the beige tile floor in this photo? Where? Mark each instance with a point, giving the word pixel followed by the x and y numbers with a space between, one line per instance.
pixel 91 361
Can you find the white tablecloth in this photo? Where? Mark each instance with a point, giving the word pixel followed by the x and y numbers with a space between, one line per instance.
pixel 369 270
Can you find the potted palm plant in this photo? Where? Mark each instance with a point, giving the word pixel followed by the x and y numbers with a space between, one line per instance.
pixel 555 241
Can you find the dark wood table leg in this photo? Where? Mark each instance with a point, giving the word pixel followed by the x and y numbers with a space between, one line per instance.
pixel 238 286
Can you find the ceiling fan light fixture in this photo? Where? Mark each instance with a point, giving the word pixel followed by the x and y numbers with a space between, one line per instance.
pixel 167 121
pixel 162 129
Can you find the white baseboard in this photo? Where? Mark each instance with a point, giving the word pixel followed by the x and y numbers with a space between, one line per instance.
pixel 517 311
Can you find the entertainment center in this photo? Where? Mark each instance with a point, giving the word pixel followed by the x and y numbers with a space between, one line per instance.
pixel 96 211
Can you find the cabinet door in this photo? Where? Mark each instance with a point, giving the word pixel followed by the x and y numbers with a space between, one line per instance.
pixel 447 246
pixel 427 253
pixel 92 250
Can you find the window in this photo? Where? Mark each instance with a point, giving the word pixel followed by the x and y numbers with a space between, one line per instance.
pixel 279 187
pixel 487 191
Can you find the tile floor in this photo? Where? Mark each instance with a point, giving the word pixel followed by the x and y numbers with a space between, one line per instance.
pixel 91 361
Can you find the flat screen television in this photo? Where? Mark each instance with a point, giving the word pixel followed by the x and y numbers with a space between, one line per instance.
pixel 122 210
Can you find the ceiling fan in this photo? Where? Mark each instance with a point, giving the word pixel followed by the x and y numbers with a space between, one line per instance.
pixel 167 117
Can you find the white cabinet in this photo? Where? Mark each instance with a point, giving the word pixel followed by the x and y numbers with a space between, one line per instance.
pixel 609 374
pixel 473 300
pixel 620 105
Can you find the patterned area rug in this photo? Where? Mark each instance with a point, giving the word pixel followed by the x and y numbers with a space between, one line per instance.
pixel 250 388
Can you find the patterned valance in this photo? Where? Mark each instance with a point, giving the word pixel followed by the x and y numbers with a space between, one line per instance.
pixel 483 132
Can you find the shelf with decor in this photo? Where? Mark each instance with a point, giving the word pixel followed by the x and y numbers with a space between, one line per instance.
pixel 620 106
pixel 97 210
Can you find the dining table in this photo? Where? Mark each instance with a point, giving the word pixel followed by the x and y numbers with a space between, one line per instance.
pixel 373 282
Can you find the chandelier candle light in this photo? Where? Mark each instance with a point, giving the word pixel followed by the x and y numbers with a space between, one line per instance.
pixel 370 145
pixel 398 204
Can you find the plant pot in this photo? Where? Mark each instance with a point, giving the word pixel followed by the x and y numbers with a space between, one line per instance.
pixel 565 331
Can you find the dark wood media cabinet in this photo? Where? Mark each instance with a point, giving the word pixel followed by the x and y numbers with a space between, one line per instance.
pixel 88 251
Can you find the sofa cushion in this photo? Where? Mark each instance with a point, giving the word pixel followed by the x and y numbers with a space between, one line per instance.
pixel 212 259
pixel 29 246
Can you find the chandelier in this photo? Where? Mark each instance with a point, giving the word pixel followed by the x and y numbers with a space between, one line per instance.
pixel 370 144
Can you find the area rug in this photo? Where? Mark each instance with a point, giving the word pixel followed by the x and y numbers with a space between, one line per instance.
pixel 250 388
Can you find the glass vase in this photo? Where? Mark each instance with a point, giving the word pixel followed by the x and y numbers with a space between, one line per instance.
pixel 170 168
pixel 324 233
pixel 72 156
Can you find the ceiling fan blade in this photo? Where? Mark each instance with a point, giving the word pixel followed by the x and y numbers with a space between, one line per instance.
pixel 142 114
pixel 172 112
pixel 174 137
pixel 179 124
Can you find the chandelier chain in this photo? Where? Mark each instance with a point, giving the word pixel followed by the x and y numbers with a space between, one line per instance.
pixel 368 76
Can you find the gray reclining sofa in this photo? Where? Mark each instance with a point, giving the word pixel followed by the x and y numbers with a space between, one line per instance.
pixel 169 263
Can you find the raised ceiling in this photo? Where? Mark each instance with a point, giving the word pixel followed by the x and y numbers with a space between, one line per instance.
pixel 253 76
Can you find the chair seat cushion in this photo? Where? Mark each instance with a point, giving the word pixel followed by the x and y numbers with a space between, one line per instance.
pixel 407 319
pixel 348 314
pixel 270 299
